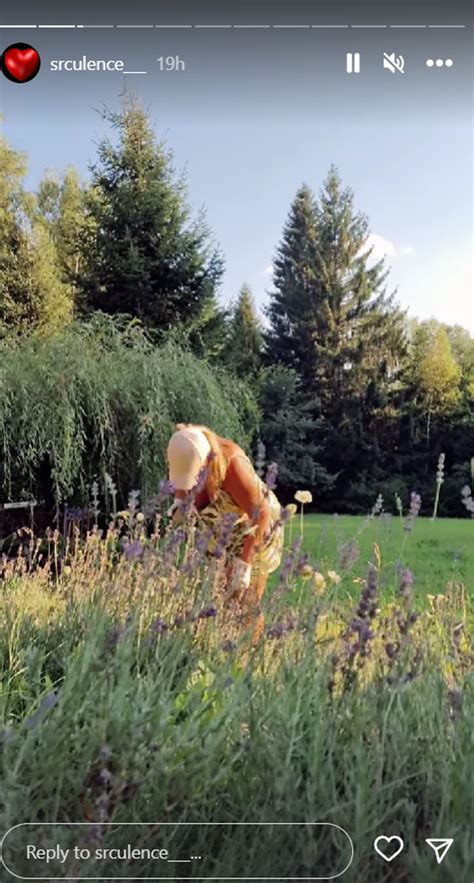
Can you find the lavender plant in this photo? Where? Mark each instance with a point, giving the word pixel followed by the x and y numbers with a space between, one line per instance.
pixel 130 692
pixel 439 482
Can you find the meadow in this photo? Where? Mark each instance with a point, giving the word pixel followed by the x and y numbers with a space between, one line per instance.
pixel 438 552
pixel 129 693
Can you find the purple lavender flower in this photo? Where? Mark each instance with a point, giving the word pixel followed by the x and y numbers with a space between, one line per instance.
pixel 166 488
pixel 413 512
pixel 189 566
pixel 366 610
pixel 271 476
pixel 289 560
pixel 154 503
pixel 202 540
pixel 368 599
pixel 260 459
pixel 406 583
pixel 159 626
pixel 201 480
pixel 132 550
pixel 348 554
pixel 47 702
pixel 362 629
pixel 114 636
pixel 207 613
pixel 75 514
pixel 226 526
pixel 175 540
pixel 301 563
pixel 277 630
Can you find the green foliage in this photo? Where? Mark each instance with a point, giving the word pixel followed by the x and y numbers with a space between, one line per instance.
pixel 332 320
pixel 289 432
pixel 293 301
pixel 115 711
pixel 32 296
pixel 436 373
pixel 244 348
pixel 330 316
pixel 368 400
pixel 144 256
pixel 61 205
pixel 100 398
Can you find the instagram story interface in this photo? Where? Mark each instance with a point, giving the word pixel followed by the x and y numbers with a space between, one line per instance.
pixel 236 441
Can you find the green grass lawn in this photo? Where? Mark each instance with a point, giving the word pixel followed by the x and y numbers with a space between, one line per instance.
pixel 437 552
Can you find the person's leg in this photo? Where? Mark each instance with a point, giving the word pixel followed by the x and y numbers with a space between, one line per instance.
pixel 250 603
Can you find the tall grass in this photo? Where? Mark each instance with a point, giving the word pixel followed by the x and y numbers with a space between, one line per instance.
pixel 129 693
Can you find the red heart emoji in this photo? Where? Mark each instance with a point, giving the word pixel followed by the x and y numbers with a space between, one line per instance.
pixel 21 63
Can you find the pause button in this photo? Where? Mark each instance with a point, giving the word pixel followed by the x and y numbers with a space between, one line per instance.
pixel 353 62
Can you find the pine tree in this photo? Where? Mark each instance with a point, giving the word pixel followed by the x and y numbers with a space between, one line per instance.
pixel 290 432
pixel 332 319
pixel 32 295
pixel 295 297
pixel 330 315
pixel 145 257
pixel 245 343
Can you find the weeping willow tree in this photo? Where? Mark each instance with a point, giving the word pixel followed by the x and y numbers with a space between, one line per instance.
pixel 103 398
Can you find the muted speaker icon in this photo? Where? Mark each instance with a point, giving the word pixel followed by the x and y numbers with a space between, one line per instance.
pixel 394 63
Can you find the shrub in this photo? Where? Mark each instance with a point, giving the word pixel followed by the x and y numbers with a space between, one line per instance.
pixel 101 397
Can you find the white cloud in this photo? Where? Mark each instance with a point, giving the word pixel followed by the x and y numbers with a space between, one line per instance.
pixel 382 248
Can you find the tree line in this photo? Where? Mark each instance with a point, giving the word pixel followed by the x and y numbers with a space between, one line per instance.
pixel 354 397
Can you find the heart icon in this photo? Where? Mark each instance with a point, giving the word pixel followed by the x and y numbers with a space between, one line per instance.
pixel 392 846
pixel 20 62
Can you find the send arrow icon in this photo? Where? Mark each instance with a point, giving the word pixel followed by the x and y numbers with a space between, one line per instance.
pixel 441 847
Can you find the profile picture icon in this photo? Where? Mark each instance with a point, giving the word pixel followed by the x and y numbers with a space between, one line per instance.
pixel 20 62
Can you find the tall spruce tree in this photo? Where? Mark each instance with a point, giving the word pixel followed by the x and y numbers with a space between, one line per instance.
pixel 245 343
pixel 294 299
pixel 145 257
pixel 332 319
pixel 289 432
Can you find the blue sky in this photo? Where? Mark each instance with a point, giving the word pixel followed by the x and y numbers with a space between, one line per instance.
pixel 249 139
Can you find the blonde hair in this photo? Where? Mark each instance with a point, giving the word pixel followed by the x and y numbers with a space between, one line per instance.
pixel 218 462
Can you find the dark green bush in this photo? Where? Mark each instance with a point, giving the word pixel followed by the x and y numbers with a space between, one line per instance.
pixel 101 397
